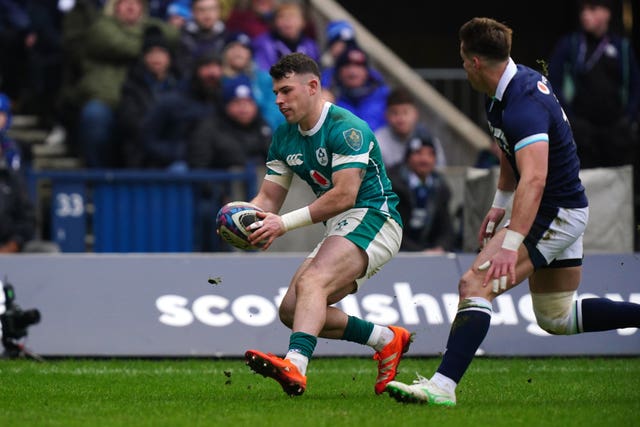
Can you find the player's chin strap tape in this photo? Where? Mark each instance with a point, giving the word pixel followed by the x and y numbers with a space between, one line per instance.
pixel 296 219
pixel 558 313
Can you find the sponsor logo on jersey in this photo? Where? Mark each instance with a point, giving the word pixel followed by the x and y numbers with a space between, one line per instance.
pixel 543 88
pixel 353 137
pixel 295 159
pixel 321 156
pixel 319 179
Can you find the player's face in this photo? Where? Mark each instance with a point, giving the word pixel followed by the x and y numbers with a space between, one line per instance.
pixel 470 67
pixel 293 97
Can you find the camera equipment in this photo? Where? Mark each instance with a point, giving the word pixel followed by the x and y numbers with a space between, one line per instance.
pixel 14 322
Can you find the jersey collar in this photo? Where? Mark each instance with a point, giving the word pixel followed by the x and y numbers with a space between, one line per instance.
pixel 318 125
pixel 508 74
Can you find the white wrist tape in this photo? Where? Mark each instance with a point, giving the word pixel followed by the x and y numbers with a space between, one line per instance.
pixel 512 240
pixel 296 219
pixel 502 199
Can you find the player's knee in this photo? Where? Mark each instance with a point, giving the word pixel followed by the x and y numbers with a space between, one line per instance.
pixel 555 312
pixel 467 285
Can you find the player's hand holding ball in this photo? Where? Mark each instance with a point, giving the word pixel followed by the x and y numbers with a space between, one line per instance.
pixel 233 224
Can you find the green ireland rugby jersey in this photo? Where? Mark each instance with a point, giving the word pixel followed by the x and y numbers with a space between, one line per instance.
pixel 339 140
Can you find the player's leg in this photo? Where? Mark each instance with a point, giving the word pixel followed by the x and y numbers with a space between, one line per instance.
pixel 553 286
pixel 468 330
pixel 559 312
pixel 330 273
pixel 336 267
pixel 321 281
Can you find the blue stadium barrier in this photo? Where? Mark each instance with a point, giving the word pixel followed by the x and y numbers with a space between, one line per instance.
pixel 131 210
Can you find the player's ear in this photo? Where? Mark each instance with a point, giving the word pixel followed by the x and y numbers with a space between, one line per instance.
pixel 314 85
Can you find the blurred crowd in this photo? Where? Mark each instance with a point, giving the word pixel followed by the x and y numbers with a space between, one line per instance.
pixel 183 84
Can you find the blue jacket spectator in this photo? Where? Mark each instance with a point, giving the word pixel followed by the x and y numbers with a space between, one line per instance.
pixel 10 150
pixel 237 59
pixel 286 36
pixel 358 89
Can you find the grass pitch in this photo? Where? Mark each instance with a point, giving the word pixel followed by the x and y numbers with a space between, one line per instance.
pixel 196 392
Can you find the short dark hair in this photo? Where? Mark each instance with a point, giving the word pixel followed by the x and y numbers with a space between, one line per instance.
pixel 486 37
pixel 399 96
pixel 297 63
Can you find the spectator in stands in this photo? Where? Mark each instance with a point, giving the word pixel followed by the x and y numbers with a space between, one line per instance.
pixel 424 200
pixel 179 13
pixel 158 8
pixel 229 139
pixel 340 35
pixel 17 214
pixel 205 33
pixel 286 36
pixel 253 19
pixel 111 45
pixel 31 56
pixel 153 75
pixel 595 75
pixel 235 135
pixel 237 59
pixel 358 89
pixel 402 125
pixel 168 125
pixel 11 156
pixel 78 16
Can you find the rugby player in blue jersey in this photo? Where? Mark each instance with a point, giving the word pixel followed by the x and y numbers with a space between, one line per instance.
pixel 337 155
pixel 542 241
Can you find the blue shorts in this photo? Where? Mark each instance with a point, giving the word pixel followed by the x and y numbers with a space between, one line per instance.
pixel 555 238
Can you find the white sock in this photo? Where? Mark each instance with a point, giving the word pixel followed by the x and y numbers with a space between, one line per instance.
pixel 445 383
pixel 380 336
pixel 299 360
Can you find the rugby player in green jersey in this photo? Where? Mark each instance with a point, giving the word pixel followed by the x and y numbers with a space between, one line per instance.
pixel 337 154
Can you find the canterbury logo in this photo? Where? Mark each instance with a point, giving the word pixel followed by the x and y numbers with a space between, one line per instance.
pixel 294 159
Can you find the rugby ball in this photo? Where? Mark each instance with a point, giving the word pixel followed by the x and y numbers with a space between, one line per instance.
pixel 232 221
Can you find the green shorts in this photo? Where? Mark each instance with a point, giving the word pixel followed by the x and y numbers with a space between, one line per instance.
pixel 370 229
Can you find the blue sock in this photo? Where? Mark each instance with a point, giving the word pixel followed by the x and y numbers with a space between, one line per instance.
pixel 602 314
pixel 467 333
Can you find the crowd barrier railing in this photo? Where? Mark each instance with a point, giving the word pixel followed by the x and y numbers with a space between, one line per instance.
pixel 128 210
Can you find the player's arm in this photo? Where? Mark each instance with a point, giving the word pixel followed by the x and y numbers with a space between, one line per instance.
pixel 501 201
pixel 271 196
pixel 346 184
pixel 342 196
pixel 532 162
